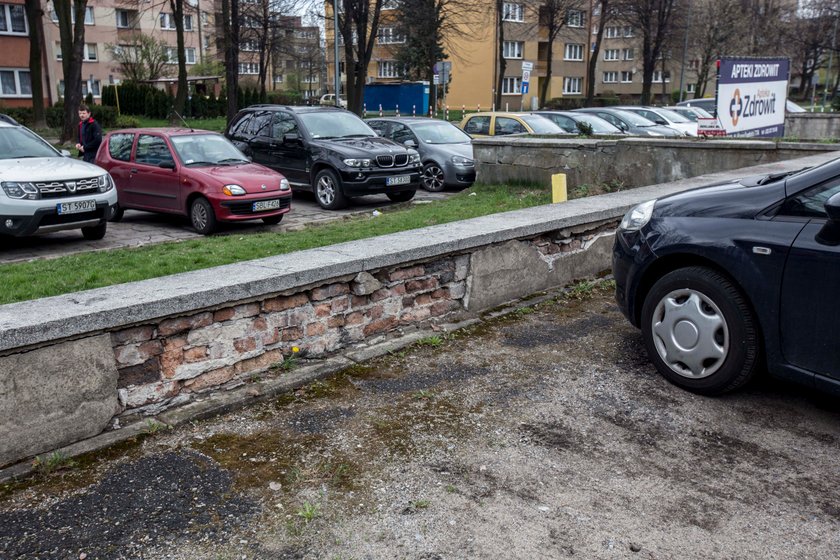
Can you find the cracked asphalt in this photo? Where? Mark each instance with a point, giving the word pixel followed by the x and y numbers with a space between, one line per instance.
pixel 542 434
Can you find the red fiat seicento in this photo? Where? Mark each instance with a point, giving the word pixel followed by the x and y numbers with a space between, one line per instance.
pixel 195 173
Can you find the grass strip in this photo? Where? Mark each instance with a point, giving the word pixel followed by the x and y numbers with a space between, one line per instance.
pixel 42 278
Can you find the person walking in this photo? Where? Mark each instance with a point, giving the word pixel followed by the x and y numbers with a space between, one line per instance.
pixel 90 134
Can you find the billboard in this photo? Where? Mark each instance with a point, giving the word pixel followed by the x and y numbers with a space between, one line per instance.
pixel 751 95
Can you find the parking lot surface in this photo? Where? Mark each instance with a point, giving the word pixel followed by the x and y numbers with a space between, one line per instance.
pixel 143 228
pixel 542 434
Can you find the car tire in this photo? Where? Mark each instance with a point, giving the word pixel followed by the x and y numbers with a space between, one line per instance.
pixel 117 213
pixel 95 233
pixel 273 220
pixel 433 178
pixel 403 196
pixel 202 217
pixel 328 191
pixel 700 332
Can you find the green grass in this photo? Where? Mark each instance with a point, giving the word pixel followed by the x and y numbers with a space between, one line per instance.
pixel 42 278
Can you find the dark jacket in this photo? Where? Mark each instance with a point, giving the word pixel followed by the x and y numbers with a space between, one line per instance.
pixel 90 137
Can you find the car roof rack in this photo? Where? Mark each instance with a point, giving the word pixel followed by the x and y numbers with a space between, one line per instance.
pixel 8 119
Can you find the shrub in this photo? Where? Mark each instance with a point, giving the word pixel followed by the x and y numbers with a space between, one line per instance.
pixel 127 121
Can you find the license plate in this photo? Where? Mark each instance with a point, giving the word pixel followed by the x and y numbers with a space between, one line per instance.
pixel 400 180
pixel 261 205
pixel 76 207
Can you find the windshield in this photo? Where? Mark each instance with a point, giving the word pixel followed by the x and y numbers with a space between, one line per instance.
pixel 206 149
pixel 672 116
pixel 703 113
pixel 18 142
pixel 541 125
pixel 599 125
pixel 633 118
pixel 335 124
pixel 438 132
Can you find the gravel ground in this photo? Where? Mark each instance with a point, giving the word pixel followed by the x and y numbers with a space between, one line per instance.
pixel 545 434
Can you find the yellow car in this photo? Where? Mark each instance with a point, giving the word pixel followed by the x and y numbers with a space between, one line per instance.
pixel 501 124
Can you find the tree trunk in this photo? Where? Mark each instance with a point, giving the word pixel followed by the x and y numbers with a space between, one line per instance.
pixel 230 28
pixel 72 44
pixel 648 65
pixel 181 95
pixel 549 59
pixel 35 18
pixel 500 77
pixel 593 58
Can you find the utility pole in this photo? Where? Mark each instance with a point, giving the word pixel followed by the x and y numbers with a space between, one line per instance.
pixel 335 45
pixel 685 51
pixel 830 60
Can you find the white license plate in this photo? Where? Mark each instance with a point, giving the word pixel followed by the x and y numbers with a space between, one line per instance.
pixel 76 207
pixel 400 180
pixel 261 205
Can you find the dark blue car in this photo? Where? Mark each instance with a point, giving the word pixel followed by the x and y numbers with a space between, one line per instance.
pixel 727 280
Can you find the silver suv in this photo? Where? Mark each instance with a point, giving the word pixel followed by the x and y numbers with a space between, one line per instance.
pixel 44 190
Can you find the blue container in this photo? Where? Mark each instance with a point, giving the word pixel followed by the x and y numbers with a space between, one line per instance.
pixel 407 95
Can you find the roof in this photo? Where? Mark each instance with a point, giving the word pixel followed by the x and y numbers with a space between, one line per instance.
pixel 168 131
pixel 296 108
pixel 406 119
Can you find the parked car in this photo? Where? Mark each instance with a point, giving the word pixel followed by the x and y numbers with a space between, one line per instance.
pixel 569 121
pixel 708 104
pixel 630 122
pixel 327 150
pixel 726 278
pixel 329 99
pixel 501 124
pixel 445 151
pixel 195 173
pixel 691 113
pixel 665 117
pixel 44 190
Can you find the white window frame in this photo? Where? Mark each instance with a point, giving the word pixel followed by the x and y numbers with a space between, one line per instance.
pixel 278 78
pixel 390 36
pixel 189 54
pixel 128 18
pixel 87 86
pixel 626 77
pixel 513 11
pixel 572 86
pixel 249 68
pixel 611 55
pixel 628 54
pixel 512 85
pixel 388 69
pixel 17 94
pixel 167 22
pixel 88 12
pixel 573 52
pixel 575 18
pixel 657 77
pixel 628 31
pixel 691 88
pixel 610 77
pixel 86 53
pixel 513 49
pixel 612 32
pixel 7 9
pixel 249 45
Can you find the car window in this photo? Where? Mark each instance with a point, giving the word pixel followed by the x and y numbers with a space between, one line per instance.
pixel 506 125
pixel 650 115
pixel 380 127
pixel 284 123
pixel 433 131
pixel 152 150
pixel 240 126
pixel 334 124
pixel 119 146
pixel 562 121
pixel 611 119
pixel 260 124
pixel 478 125
pixel 811 202
pixel 401 134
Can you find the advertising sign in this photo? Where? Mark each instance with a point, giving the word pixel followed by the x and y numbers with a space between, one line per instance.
pixel 751 95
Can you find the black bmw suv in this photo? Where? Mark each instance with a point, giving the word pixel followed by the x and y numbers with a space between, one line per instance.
pixel 327 150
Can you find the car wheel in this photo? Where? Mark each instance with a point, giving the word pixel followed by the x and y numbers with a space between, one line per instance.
pixel 273 220
pixel 202 217
pixel 433 180
pixel 95 233
pixel 700 332
pixel 403 196
pixel 328 190
pixel 117 212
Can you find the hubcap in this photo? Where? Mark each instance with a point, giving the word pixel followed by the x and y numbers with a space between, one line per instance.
pixel 326 190
pixel 690 333
pixel 433 177
pixel 199 216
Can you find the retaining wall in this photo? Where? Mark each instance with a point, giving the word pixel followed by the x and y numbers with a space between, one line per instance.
pixel 812 126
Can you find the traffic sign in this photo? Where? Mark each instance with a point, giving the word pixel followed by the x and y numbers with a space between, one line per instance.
pixel 526 75
pixel 524 88
pixel 527 66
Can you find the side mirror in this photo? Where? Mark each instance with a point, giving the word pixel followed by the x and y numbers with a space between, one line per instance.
pixel 661 121
pixel 291 138
pixel 832 208
pixel 830 232
pixel 66 153
pixel 410 143
pixel 167 164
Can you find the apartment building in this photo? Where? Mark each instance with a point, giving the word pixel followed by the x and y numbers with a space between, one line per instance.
pixel 15 81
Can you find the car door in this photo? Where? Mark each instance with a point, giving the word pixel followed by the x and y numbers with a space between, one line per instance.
pixel 260 141
pixel 809 303
pixel 154 187
pixel 288 153
pixel 506 125
pixel 119 149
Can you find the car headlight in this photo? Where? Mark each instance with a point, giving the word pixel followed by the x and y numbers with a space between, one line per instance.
pixel 461 160
pixel 638 216
pixel 413 158
pixel 14 189
pixel 284 184
pixel 233 190
pixel 652 133
pixel 106 183
pixel 357 162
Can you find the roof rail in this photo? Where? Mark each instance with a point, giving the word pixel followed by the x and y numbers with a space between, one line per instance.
pixel 8 119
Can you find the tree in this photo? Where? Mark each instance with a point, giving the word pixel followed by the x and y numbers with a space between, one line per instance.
pixel 605 14
pixel 651 18
pixel 71 29
pixel 177 7
pixel 35 19
pixel 554 15
pixel 714 32
pixel 358 24
pixel 230 34
pixel 500 14
pixel 142 58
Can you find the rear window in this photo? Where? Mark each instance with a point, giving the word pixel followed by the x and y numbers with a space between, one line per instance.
pixel 119 146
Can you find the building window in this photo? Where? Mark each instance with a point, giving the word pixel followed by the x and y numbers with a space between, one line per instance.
pixel 125 19
pixel 626 77
pixel 249 45
pixel 206 41
pixel 694 64
pixel 91 86
pixel 574 18
pixel 388 69
pixel 389 36
pixel 172 55
pixel 249 68
pixel 611 54
pixel 628 31
pixel 389 5
pixel 691 88
pixel 89 20
pixel 611 32
pixel 13 20
pixel 572 86
pixel 167 21
pixel 278 78
pixel 573 52
pixel 610 77
pixel 512 86
pixel 627 54
pixel 90 54
pixel 15 83
pixel 513 12
pixel 513 49
pixel 658 75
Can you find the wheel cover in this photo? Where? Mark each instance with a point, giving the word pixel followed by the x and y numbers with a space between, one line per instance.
pixel 199 216
pixel 690 333
pixel 325 190
pixel 433 177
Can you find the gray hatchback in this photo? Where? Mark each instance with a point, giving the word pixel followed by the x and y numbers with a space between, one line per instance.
pixel 446 151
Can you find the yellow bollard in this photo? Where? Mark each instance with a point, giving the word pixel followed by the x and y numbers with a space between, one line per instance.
pixel 558 188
